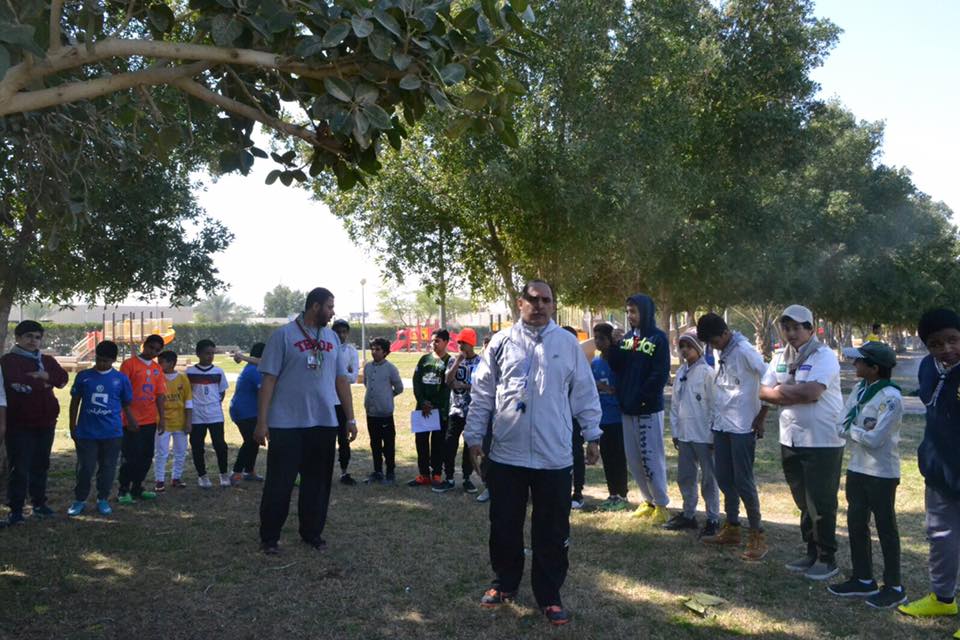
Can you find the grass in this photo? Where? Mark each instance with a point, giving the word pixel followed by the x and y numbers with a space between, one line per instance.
pixel 407 563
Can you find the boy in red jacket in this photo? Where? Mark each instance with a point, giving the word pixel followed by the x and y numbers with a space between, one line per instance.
pixel 29 379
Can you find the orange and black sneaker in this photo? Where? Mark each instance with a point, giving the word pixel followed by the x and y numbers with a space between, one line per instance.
pixel 557 615
pixel 419 481
pixel 494 597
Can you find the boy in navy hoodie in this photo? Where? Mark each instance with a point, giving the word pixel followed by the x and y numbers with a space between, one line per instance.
pixel 939 460
pixel 641 362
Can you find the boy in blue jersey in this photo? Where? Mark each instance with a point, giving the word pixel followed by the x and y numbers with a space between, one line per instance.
pixel 98 396
pixel 611 442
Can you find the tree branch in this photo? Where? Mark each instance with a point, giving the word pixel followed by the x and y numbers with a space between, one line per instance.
pixel 71 57
pixel 201 92
pixel 74 91
pixel 56 11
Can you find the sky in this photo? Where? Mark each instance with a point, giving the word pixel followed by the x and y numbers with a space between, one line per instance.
pixel 896 61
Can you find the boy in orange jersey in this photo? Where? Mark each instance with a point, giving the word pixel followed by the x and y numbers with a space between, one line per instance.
pixel 149 387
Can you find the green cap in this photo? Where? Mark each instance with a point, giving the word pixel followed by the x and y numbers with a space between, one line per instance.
pixel 876 352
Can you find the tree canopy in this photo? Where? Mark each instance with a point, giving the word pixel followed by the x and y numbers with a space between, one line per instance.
pixel 338 76
pixel 282 301
pixel 676 148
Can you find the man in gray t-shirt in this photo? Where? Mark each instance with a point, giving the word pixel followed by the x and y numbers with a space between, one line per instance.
pixel 304 374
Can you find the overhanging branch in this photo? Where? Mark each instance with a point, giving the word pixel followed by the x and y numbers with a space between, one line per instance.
pixel 200 92
pixel 75 91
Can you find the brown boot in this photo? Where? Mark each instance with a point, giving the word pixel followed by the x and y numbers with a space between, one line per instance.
pixel 756 546
pixel 729 534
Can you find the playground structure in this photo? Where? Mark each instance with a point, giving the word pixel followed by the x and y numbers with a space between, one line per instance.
pixel 418 339
pixel 127 331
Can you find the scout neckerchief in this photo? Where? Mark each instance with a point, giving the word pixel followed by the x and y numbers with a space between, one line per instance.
pixel 725 353
pixel 316 361
pixel 943 372
pixel 865 393
pixel 33 355
pixel 793 358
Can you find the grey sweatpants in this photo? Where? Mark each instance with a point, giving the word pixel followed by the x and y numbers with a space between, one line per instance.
pixel 733 463
pixel 697 457
pixel 646 456
pixel 943 533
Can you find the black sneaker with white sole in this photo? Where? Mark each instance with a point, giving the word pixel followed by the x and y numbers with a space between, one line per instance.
pixel 680 522
pixel 854 588
pixel 887 598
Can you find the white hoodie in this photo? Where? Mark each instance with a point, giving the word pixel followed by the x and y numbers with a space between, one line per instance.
pixel 532 384
pixel 691 409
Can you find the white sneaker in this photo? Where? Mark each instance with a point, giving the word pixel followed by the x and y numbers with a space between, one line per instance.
pixel 484 496
pixel 204 482
pixel 225 480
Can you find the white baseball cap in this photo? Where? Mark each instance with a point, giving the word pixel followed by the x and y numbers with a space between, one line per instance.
pixel 798 313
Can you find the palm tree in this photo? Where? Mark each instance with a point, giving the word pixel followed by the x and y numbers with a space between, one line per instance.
pixel 220 308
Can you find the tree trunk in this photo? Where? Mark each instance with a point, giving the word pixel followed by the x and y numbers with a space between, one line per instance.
pixel 501 259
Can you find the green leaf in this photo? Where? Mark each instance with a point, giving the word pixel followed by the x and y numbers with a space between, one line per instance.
pixel 438 97
pixel 339 89
pixel 289 156
pixel 336 34
pixel 286 178
pixel 466 19
pixel 475 100
pixel 378 116
pixel 281 21
pixel 161 17
pixel 309 46
pixel 410 82
pixel 514 21
pixel 515 87
pixel 229 161
pixel 457 128
pixel 509 136
pixel 401 60
pixel 225 29
pixel 361 27
pixel 260 153
pixel 519 5
pixel 346 176
pixel 366 93
pixel 260 25
pixel 394 137
pixel 453 73
pixel 490 10
pixel 21 35
pixel 389 22
pixel 381 45
pixel 272 176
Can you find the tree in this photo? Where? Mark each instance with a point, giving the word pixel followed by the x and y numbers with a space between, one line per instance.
pixel 282 301
pixel 334 77
pixel 219 308
pixel 421 308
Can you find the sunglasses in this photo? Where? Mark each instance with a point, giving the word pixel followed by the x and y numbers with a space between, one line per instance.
pixel 534 299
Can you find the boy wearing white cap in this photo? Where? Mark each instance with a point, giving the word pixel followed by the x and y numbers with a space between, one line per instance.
pixel 871 420
pixel 804 380
pixel 690 415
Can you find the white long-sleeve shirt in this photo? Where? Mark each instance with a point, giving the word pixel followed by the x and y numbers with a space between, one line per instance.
pixel 875 433
pixel 533 384
pixel 736 382
pixel 691 408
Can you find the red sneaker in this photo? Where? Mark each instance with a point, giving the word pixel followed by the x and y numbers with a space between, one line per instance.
pixel 419 481
pixel 494 597
pixel 159 486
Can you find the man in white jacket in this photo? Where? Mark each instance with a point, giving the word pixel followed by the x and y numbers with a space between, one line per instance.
pixel 533 381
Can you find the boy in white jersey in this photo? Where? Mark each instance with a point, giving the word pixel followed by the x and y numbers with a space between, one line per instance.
pixel 209 385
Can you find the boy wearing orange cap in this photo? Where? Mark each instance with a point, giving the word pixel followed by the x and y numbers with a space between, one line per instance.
pixel 459 374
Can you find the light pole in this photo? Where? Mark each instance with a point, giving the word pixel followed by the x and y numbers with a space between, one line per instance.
pixel 363 323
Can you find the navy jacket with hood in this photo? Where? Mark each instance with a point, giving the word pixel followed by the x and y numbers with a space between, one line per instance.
pixel 939 452
pixel 641 362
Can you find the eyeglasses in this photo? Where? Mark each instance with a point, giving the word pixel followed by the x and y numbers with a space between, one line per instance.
pixel 534 299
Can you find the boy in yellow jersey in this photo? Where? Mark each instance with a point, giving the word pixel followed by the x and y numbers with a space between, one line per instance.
pixel 178 405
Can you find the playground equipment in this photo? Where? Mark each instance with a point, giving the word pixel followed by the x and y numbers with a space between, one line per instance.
pixel 418 339
pixel 127 331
